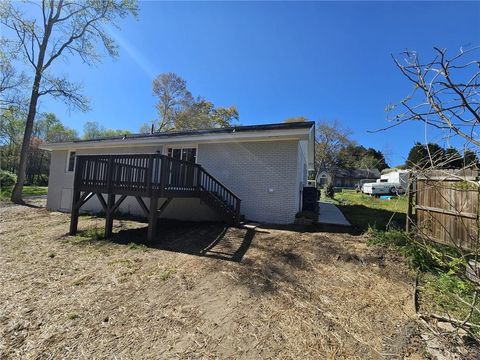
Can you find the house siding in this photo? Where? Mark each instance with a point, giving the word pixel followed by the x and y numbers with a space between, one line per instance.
pixel 59 181
pixel 264 175
pixel 249 169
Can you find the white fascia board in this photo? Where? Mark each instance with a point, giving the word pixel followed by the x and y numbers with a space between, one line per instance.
pixel 272 135
pixel 311 148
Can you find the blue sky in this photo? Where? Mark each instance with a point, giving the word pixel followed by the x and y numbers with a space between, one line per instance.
pixel 274 60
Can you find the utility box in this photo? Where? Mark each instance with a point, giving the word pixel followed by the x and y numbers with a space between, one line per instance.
pixel 310 199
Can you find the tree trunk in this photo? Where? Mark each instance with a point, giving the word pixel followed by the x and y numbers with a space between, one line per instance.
pixel 22 167
pixel 32 111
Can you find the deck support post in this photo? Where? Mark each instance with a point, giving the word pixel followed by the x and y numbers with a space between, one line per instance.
pixel 76 197
pixel 74 213
pixel 109 215
pixel 152 219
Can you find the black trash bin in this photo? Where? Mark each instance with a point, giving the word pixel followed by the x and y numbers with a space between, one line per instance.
pixel 310 199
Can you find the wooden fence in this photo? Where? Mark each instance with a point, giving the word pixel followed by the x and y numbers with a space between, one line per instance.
pixel 444 207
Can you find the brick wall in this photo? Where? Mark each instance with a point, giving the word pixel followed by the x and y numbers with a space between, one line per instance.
pixel 264 175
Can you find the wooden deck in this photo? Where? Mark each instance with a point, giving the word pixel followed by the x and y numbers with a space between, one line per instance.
pixel 147 175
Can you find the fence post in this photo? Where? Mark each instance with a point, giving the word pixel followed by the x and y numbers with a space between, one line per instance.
pixel 409 219
pixel 477 245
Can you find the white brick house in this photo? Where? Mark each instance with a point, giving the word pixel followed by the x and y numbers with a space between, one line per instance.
pixel 266 166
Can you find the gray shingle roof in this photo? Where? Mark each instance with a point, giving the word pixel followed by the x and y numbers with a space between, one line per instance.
pixel 242 128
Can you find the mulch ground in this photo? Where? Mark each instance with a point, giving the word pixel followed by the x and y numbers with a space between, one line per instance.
pixel 200 291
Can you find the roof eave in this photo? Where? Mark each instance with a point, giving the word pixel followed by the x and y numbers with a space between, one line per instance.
pixel 297 133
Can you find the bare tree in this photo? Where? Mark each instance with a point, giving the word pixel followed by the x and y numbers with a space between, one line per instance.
pixel 331 139
pixel 445 93
pixel 51 30
pixel 445 96
pixel 11 82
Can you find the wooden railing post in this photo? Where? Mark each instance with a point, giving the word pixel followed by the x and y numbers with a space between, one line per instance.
pixel 110 174
pixel 237 212
pixel 198 177
pixel 163 174
pixel 149 174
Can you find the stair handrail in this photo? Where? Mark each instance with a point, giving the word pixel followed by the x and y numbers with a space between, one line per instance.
pixel 218 181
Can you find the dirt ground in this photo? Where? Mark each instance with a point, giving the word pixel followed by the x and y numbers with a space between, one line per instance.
pixel 201 291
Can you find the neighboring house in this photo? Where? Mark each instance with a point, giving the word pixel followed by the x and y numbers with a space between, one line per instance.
pixel 265 166
pixel 347 178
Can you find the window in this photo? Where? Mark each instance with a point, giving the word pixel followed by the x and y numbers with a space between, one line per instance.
pixel 185 154
pixel 71 161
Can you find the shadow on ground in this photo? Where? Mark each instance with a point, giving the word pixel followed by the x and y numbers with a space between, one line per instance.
pixel 201 239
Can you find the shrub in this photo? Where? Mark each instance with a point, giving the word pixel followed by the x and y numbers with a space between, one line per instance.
pixel 416 256
pixel 441 273
pixel 329 190
pixel 7 178
pixel 40 180
pixel 426 257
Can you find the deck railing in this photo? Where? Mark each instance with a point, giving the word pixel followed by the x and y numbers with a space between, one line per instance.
pixel 153 175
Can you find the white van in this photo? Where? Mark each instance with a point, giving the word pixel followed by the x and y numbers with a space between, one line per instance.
pixel 382 188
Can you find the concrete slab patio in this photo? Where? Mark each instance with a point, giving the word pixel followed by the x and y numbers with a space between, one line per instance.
pixel 330 214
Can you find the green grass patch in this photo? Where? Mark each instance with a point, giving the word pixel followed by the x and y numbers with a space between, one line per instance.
pixel 351 197
pixel 89 236
pixel 92 234
pixel 167 274
pixel 5 193
pixel 364 211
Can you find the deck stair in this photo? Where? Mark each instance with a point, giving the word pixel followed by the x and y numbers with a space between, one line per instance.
pixel 154 176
